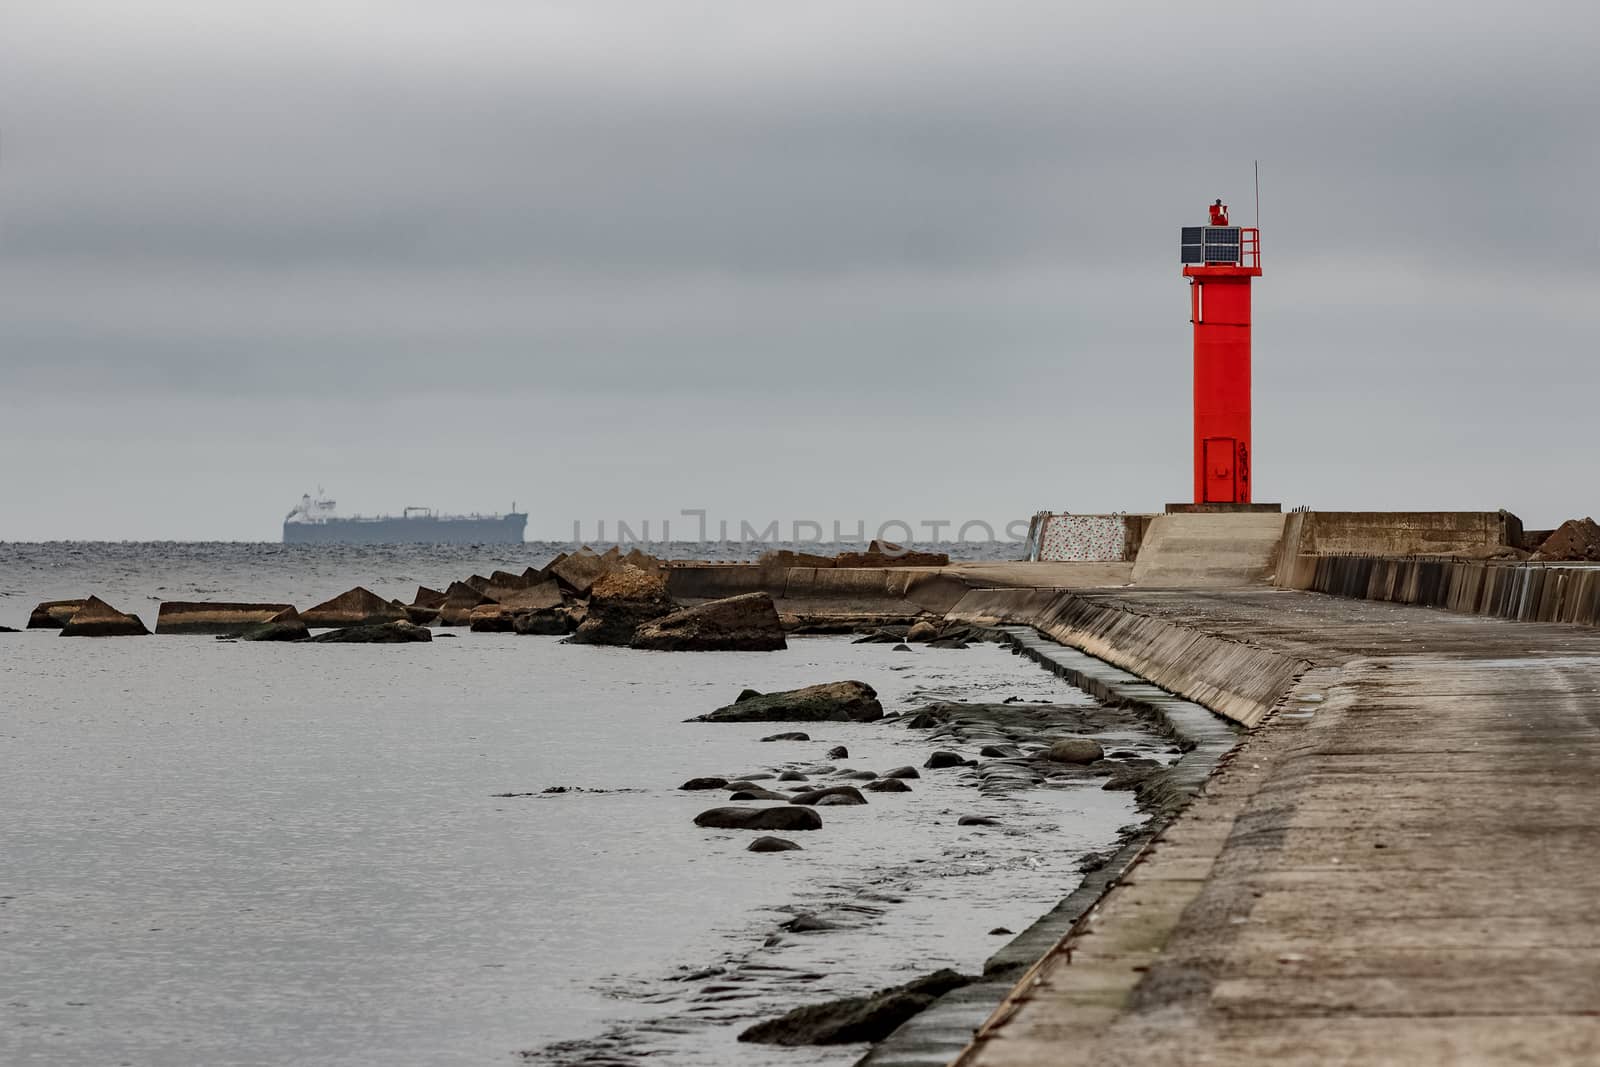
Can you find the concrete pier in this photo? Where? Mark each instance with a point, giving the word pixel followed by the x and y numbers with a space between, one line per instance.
pixel 1398 866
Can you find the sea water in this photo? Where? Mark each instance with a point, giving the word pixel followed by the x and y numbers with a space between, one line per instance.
pixel 231 853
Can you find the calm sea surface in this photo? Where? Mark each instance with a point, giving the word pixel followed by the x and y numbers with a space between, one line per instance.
pixel 226 853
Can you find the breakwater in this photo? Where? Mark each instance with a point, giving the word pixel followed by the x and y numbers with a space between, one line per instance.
pixel 1527 592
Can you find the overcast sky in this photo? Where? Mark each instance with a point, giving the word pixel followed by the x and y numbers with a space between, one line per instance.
pixel 830 261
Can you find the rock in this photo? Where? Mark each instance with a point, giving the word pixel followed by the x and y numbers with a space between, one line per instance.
pixel 947 642
pixel 201 617
pixel 902 648
pixel 838 752
pixel 705 783
pixel 1573 541
pixel 1130 778
pixel 772 844
pixel 358 607
pixel 461 599
pixel 791 735
pixel 806 923
pixel 757 793
pixel 889 554
pixel 1000 751
pixel 1075 750
pixel 977 820
pixel 428 598
pixel 779 817
pixel 543 596
pixel 421 614
pixel 999 931
pixel 746 694
pixel 621 601
pixel 551 623
pixel 388 633
pixel 490 619
pixel 832 702
pixel 941 759
pixel 860 776
pixel 838 800
pixel 287 627
pixel 855 1019
pixel 98 619
pixel 813 796
pixel 791 776
pixel 902 772
pixel 580 571
pixel 747 623
pixel 888 785
pixel 922 631
pixel 54 614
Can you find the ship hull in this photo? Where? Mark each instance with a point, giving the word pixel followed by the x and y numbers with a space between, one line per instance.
pixel 410 530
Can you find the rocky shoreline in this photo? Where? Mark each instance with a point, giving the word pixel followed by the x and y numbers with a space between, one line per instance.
pixel 998 750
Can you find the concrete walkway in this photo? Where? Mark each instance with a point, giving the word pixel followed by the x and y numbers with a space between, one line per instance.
pixel 1402 866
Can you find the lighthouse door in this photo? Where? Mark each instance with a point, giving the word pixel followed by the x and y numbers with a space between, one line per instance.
pixel 1221 481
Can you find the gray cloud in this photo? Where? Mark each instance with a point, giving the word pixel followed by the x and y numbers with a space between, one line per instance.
pixel 893 213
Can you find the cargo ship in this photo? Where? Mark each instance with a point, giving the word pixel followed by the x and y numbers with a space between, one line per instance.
pixel 315 521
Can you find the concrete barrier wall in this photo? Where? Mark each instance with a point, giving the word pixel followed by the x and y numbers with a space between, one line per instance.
pixel 1397 533
pixel 1235 680
pixel 1530 592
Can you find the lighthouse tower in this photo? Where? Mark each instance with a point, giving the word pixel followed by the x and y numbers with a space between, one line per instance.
pixel 1219 260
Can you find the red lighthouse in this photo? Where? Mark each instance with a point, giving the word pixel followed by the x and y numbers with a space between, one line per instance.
pixel 1219 260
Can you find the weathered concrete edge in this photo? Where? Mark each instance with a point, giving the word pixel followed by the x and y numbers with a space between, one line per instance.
pixel 1238 681
pixel 939 1034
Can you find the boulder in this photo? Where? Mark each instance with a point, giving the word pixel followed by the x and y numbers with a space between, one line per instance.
pixel 54 614
pixel 579 571
pixel 942 759
pixel 705 783
pixel 855 1019
pixel 1075 750
pixel 384 633
pixel 490 619
pixel 358 607
pixel 838 752
pixel 838 800
pixel 621 601
pixel 849 701
pixel 1576 540
pixel 9 630
pixel 746 623
pixel 888 785
pixel 947 642
pixel 791 776
pixel 792 735
pixel 460 600
pixel 757 793
pixel 551 623
pixel 977 820
pixel 421 614
pixel 902 772
pixel 772 844
pixel 644 561
pixel 286 627
pixel 543 596
pixel 1000 752
pixel 922 631
pixel 428 598
pixel 779 817
pixel 209 617
pixel 812 797
pixel 98 619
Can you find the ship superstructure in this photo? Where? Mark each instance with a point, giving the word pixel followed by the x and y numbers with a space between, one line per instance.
pixel 315 520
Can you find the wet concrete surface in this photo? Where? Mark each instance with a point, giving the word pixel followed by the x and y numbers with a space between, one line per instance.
pixel 1401 866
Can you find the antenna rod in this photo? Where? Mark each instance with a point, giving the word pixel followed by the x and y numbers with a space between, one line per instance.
pixel 1258 194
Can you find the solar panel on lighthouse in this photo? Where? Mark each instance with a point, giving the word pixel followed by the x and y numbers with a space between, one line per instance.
pixel 1222 244
pixel 1192 245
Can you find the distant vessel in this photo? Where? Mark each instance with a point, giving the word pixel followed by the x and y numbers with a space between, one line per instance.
pixel 314 522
